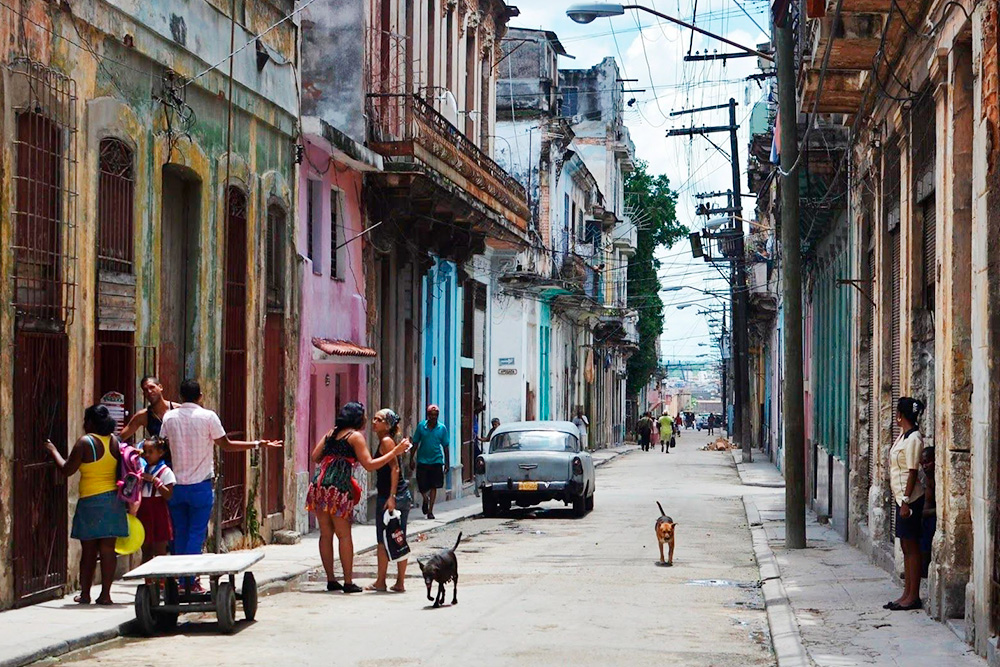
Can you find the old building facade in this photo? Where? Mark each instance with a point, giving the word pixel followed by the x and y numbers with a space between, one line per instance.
pixel 136 201
pixel 903 191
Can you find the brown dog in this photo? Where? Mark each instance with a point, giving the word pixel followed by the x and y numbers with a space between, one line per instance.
pixel 665 534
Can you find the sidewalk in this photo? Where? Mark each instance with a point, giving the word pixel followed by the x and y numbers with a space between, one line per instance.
pixel 824 603
pixel 56 627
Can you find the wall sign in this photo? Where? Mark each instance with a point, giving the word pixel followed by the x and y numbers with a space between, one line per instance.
pixel 506 361
pixel 507 371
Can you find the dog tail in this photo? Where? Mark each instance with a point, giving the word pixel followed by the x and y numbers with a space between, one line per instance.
pixel 457 541
pixel 662 513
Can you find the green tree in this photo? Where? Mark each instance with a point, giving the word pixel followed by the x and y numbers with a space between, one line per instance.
pixel 653 206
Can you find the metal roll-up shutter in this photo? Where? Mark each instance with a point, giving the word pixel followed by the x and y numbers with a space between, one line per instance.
pixel 894 353
pixel 930 250
pixel 872 382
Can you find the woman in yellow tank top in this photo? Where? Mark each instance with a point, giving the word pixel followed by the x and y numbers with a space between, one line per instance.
pixel 100 516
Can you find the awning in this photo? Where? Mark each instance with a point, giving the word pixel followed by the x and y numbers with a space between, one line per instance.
pixel 341 352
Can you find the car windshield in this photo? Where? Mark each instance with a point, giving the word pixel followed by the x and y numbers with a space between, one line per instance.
pixel 534 441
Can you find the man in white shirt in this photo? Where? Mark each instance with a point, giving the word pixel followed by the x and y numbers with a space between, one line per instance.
pixel 193 433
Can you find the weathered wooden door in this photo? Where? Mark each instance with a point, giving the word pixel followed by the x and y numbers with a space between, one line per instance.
pixel 39 545
pixel 274 412
pixel 234 358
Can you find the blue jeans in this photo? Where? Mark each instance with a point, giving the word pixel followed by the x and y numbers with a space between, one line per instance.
pixel 190 510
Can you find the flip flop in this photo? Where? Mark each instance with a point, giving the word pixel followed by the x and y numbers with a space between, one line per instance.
pixel 376 589
pixel 79 599
pixel 397 590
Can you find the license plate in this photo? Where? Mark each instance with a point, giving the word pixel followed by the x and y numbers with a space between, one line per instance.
pixel 527 486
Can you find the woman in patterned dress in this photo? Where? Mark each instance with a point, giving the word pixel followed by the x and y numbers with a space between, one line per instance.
pixel 334 492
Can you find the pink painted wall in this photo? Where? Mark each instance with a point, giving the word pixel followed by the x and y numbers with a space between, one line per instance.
pixel 329 308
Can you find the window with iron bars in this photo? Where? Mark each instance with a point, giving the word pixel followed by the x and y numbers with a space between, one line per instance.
pixel 275 258
pixel 115 212
pixel 44 184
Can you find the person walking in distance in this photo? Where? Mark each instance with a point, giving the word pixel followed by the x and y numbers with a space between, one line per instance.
pixel 193 433
pixel 666 432
pixel 150 418
pixel 644 429
pixel 430 457
pixel 904 482
pixel 582 424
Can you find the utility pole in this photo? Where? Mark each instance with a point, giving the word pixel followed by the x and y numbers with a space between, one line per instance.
pixel 791 266
pixel 742 365
pixel 740 428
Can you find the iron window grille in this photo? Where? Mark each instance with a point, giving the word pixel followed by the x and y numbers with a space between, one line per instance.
pixel 45 192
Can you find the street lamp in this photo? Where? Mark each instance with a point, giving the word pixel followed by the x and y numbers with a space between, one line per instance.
pixel 585 12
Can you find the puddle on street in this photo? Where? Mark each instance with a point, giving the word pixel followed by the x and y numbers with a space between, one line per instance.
pixel 724 583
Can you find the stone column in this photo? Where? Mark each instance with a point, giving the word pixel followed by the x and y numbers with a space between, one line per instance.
pixel 985 329
pixel 953 345
pixel 878 494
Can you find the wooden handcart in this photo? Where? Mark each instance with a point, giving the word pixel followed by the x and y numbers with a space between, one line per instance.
pixel 157 606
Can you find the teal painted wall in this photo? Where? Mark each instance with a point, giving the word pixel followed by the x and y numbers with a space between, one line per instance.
pixel 545 361
pixel 832 354
pixel 442 298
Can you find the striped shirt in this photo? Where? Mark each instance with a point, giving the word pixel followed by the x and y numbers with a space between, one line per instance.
pixel 192 431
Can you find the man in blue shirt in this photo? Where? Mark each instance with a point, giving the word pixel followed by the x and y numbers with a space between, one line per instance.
pixel 431 457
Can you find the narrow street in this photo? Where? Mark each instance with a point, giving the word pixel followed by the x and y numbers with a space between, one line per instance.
pixel 535 587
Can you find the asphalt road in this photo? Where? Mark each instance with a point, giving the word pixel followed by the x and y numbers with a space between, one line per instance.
pixel 536 588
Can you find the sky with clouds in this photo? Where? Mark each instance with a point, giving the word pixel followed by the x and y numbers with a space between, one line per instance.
pixel 652 51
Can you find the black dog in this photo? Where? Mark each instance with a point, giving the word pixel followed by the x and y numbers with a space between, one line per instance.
pixel 442 567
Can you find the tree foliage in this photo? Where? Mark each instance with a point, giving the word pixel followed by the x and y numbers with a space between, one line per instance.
pixel 654 207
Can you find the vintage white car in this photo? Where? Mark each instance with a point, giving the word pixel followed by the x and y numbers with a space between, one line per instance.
pixel 527 463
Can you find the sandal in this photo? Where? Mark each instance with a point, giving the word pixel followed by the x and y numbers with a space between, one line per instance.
pixel 334 586
pixel 375 589
pixel 352 588
pixel 80 599
pixel 396 589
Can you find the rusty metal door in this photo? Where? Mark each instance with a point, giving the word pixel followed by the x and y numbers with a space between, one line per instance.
pixel 274 412
pixel 234 358
pixel 40 518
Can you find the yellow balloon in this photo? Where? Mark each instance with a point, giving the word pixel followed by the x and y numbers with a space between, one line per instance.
pixel 136 536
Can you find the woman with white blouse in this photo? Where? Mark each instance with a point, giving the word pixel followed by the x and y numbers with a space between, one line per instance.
pixel 908 493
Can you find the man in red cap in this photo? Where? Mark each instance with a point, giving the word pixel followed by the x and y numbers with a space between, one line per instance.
pixel 431 457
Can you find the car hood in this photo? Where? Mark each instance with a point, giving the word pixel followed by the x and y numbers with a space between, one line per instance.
pixel 520 465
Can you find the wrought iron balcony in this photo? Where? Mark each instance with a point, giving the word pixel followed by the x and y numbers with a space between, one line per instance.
pixel 406 129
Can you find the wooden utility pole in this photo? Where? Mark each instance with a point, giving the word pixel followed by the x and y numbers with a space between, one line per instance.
pixel 791 272
pixel 741 356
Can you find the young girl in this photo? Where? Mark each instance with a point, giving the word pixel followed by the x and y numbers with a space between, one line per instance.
pixel 157 487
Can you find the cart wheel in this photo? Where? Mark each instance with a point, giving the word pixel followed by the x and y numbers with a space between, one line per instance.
pixel 167 620
pixel 225 607
pixel 249 596
pixel 144 610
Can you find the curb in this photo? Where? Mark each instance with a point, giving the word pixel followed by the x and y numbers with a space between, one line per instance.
pixel 268 586
pixel 786 636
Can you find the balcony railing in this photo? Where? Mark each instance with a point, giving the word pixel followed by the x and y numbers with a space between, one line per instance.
pixel 400 122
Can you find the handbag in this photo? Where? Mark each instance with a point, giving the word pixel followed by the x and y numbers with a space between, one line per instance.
pixel 394 537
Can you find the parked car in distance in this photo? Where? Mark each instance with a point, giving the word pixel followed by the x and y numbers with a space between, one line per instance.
pixel 701 421
pixel 527 463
